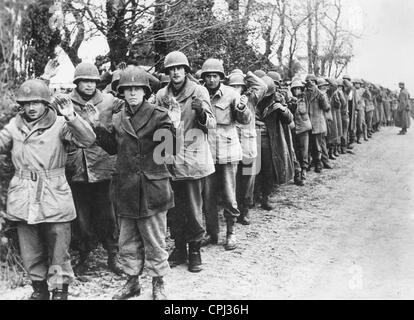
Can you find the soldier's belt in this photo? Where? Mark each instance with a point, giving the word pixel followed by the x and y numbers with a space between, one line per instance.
pixel 35 175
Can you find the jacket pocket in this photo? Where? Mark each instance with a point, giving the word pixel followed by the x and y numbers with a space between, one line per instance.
pixel 159 194
pixel 223 113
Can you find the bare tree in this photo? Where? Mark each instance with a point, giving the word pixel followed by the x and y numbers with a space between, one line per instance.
pixel 337 52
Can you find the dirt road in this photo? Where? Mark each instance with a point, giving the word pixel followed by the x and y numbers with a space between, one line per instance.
pixel 349 234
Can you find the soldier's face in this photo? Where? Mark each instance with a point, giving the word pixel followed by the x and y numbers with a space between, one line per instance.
pixel 357 85
pixel 297 91
pixel 134 96
pixel 177 74
pixel 87 87
pixel 212 80
pixel 34 109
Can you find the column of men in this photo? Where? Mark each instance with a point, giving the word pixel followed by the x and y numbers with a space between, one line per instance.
pixel 90 160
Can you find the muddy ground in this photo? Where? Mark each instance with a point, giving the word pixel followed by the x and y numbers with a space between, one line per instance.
pixel 348 234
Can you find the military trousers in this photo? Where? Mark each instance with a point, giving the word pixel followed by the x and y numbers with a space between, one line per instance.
pixel 186 218
pixel 301 145
pixel 245 179
pixel 95 221
pixel 221 191
pixel 142 243
pixel 44 249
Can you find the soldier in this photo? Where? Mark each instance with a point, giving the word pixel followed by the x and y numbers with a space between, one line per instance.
pixel 344 118
pixel 271 115
pixel 330 128
pixel 387 107
pixel 142 186
pixel 302 128
pixel 229 109
pixel 369 109
pixel 404 109
pixel 39 198
pixel 89 171
pixel 192 164
pixel 282 89
pixel 361 126
pixel 336 128
pixel 350 94
pixel 316 104
pixel 254 89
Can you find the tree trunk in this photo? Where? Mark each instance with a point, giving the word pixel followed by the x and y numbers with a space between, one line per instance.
pixel 309 40
pixel 72 50
pixel 116 36
pixel 282 17
pixel 160 43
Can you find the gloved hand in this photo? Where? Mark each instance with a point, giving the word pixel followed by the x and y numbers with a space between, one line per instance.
pixel 197 106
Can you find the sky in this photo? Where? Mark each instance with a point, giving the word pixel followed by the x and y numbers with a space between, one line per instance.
pixel 384 53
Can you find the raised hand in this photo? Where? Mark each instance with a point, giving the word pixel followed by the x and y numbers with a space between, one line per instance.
pixel 175 112
pixel 65 107
pixel 50 69
pixel 92 113
pixel 243 101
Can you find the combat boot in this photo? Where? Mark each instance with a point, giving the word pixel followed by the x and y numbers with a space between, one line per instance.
pixel 209 239
pixel 61 294
pixel 297 179
pixel 318 167
pixel 40 291
pixel 179 255
pixel 244 216
pixel 336 151
pixel 231 242
pixel 158 290
pixel 330 153
pixel 113 263
pixel 266 204
pixel 194 257
pixel 82 265
pixel 303 174
pixel 326 165
pixel 131 288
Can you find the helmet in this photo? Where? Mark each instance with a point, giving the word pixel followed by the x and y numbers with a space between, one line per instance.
pixel 212 66
pixel 340 82
pixel 33 90
pixel 296 84
pixel 275 76
pixel 401 84
pixel 86 71
pixel 236 79
pixel 174 59
pixel 134 76
pixel 310 77
pixel 236 71
pixel 357 80
pixel 271 87
pixel 331 81
pixel 259 73
pixel 198 74
pixel 346 77
pixel 322 82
